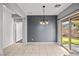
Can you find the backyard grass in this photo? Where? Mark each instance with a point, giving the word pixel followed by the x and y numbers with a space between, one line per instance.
pixel 75 41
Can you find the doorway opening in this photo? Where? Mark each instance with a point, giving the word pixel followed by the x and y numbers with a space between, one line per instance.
pixel 18 32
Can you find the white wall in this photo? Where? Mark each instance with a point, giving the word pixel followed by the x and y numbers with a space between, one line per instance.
pixel 59 31
pixel 7 27
pixel 25 30
pixel 1 29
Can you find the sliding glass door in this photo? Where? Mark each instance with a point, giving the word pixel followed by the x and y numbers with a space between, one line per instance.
pixel 65 33
pixel 70 33
pixel 75 34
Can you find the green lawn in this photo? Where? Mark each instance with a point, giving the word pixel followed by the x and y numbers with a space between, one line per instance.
pixel 75 41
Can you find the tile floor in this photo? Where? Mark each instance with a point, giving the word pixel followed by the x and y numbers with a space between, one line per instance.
pixel 20 49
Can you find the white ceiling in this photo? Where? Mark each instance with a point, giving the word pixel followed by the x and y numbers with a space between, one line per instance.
pixel 37 9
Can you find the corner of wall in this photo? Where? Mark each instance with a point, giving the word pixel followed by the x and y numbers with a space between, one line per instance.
pixel 25 30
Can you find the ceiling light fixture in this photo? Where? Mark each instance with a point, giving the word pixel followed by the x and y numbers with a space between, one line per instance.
pixel 44 21
pixel 57 5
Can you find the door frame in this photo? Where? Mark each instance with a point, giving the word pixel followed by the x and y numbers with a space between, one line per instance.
pixel 70 17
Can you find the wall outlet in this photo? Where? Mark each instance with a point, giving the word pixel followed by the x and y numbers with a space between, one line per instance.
pixel 32 39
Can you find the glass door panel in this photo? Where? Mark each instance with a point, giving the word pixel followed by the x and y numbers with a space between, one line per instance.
pixel 75 34
pixel 65 34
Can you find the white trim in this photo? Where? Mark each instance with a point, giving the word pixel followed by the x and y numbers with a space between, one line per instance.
pixel 41 42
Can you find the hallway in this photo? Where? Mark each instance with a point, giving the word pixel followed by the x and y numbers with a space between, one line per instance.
pixel 35 49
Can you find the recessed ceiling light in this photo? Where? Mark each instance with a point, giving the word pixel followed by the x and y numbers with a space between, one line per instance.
pixel 57 5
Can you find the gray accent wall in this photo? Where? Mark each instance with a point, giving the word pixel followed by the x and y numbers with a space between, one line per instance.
pixel 73 7
pixel 41 33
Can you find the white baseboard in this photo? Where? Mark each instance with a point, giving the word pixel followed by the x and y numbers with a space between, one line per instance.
pixel 41 42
